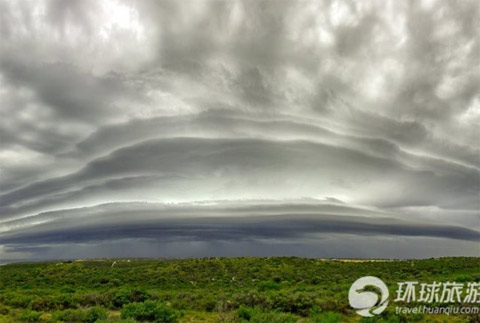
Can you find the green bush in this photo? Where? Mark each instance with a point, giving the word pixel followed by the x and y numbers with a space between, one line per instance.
pixel 117 320
pixel 245 313
pixel 95 313
pixel 17 300
pixel 463 279
pixel 207 303
pixel 256 315
pixel 41 304
pixel 297 303
pixel 327 317
pixel 30 316
pixel 126 296
pixel 274 317
pixel 65 301
pixel 95 299
pixel 253 299
pixel 268 285
pixel 150 311
pixel 68 289
pixel 70 316
pixel 4 310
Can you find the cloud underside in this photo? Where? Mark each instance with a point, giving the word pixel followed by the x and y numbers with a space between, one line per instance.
pixel 266 223
pixel 239 122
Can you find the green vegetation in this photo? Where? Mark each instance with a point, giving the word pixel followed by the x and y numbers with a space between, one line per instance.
pixel 212 290
pixel 150 311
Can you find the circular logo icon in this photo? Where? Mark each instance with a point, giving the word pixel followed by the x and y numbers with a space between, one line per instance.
pixel 368 295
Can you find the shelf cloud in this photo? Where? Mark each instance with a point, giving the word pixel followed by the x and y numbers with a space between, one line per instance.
pixel 311 128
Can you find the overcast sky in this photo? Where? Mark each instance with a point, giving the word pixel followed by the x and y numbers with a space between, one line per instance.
pixel 232 128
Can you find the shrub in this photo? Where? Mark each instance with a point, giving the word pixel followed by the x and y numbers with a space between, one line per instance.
pixel 150 311
pixel 208 303
pixel 117 320
pixel 95 299
pixel 256 315
pixel 18 301
pixel 70 316
pixel 68 289
pixel 30 316
pixel 126 296
pixel 64 301
pixel 274 317
pixel 268 285
pixel 95 313
pixel 245 313
pixel 252 299
pixel 327 317
pixel 41 304
pixel 463 278
pixel 4 310
pixel 297 303
pixel 183 301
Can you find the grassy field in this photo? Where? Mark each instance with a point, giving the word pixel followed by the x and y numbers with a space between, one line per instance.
pixel 212 290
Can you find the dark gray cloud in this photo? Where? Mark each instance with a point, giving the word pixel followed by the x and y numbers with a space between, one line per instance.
pixel 233 229
pixel 374 106
pixel 266 223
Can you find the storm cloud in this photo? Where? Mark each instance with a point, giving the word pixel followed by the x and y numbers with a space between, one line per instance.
pixel 260 127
